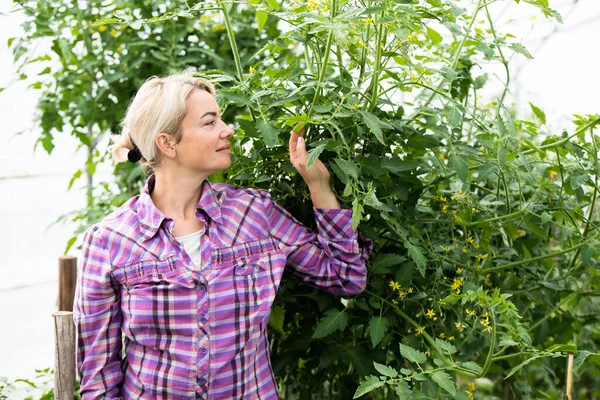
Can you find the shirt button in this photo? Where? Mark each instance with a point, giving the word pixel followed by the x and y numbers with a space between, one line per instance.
pixel 202 288
pixel 203 320
pixel 203 351
pixel 202 381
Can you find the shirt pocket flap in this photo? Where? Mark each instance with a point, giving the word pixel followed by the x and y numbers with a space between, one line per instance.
pixel 245 253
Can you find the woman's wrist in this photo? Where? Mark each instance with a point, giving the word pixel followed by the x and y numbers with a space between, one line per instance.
pixel 323 197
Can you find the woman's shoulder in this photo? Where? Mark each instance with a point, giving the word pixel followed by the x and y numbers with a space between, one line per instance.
pixel 232 192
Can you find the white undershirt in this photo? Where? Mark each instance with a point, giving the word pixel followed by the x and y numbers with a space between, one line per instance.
pixel 191 244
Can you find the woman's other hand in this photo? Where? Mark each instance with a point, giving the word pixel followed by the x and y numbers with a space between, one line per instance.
pixel 317 176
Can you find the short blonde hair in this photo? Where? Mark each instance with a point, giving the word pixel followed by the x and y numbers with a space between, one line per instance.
pixel 159 106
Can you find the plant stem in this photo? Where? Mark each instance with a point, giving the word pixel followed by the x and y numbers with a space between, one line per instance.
pixel 234 49
pixel 324 62
pixel 375 79
pixel 489 358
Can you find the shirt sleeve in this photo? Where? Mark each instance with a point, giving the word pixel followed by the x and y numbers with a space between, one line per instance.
pixel 97 317
pixel 333 259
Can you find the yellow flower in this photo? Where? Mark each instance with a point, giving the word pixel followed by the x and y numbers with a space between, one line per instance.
pixel 471 386
pixel 485 314
pixel 386 25
pixel 205 18
pixel 368 21
pixel 394 285
pixel 413 37
pixel 419 331
pixel 470 313
pixel 428 353
pixel 460 326
pixel 464 250
pixel 476 246
pixel 430 313
pixel 362 44
pixel 252 70
pixel 401 295
pixel 459 270
pixel 446 249
pixel 459 195
pixel 485 321
pixel 445 208
pixel 457 284
pixel 481 256
pixel 442 335
pixel 409 290
pixel 356 105
pixel 451 338
pixel 469 394
pixel 219 27
pixel 473 209
pixel 470 240
pixel 113 33
pixel 102 28
pixel 443 199
pixel 488 329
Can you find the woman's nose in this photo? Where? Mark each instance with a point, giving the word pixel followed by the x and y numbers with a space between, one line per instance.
pixel 228 131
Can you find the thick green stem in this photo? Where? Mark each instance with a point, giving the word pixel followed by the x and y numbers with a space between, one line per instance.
pixel 324 62
pixel 489 358
pixel 231 36
pixel 565 140
pixel 375 79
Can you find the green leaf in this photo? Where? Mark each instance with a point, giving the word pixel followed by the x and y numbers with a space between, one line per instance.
pixel 357 212
pixel 445 346
pixel 334 319
pixel 403 390
pixel 387 260
pixel 460 167
pixel 367 386
pixel 313 154
pixel 412 355
pixel 385 370
pixel 378 326
pixel 269 132
pixel 444 381
pixel 349 167
pixel 273 5
pixel 434 36
pixel 9 41
pixel 375 124
pixel 75 176
pixel 453 115
pixel 520 49
pixel 518 367
pixel 416 253
pixel 276 319
pixel 538 113
pixel 261 19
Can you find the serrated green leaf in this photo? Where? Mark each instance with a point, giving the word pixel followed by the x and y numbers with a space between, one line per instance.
pixel 387 260
pixel 538 113
pixel 416 253
pixel 357 212
pixel 453 115
pixel 459 163
pixel 368 385
pixel 261 19
pixel 444 381
pixel 522 50
pixel 375 124
pixel 385 370
pixel 333 320
pixel 434 36
pixel 269 132
pixel 518 367
pixel 446 346
pixel 314 154
pixel 412 355
pixel 349 167
pixel 378 326
pixel 472 366
pixel 403 390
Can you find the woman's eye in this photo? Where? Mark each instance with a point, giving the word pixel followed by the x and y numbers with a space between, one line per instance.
pixel 210 123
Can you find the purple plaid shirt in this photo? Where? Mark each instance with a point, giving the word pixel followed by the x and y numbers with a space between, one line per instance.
pixel 151 326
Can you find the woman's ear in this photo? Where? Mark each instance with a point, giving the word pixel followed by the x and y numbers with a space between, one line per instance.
pixel 166 145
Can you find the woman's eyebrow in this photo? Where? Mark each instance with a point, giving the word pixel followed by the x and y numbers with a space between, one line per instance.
pixel 214 114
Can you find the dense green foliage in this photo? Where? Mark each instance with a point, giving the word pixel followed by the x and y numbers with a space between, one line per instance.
pixel 485 265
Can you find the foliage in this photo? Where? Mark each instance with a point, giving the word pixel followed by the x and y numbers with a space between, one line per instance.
pixel 39 388
pixel 485 265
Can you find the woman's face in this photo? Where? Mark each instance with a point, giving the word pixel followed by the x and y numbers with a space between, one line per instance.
pixel 204 145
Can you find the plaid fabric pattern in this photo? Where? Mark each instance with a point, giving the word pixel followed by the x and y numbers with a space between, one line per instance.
pixel 151 326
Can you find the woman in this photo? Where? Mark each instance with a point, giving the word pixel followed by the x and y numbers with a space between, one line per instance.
pixel 176 286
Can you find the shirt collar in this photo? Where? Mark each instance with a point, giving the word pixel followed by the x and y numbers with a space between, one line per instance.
pixel 151 218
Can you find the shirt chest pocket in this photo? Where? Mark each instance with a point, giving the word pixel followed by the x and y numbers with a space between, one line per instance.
pixel 244 271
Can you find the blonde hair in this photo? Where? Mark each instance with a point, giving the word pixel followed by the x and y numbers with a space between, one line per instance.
pixel 159 106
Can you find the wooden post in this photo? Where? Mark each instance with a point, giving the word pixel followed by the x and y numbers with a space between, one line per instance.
pixel 569 388
pixel 67 277
pixel 64 355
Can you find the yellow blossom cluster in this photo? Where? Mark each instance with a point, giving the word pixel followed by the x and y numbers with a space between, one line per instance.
pixel 471 390
pixel 413 37
pixel 457 284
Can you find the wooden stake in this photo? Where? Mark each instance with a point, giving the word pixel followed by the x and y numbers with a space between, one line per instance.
pixel 67 278
pixel 569 388
pixel 64 356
